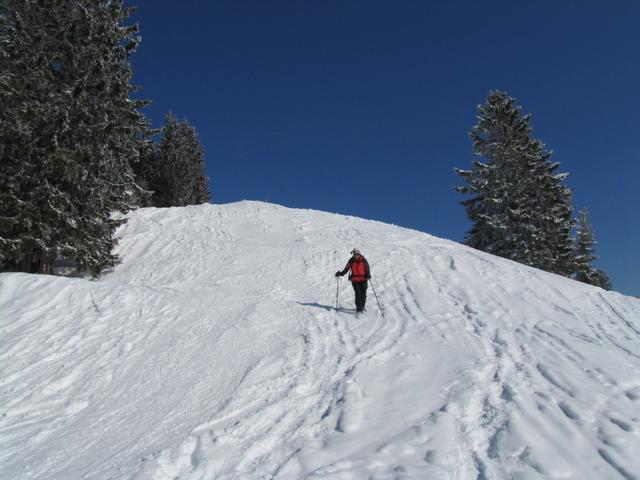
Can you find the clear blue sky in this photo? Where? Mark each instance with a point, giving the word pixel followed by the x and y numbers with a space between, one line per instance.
pixel 364 107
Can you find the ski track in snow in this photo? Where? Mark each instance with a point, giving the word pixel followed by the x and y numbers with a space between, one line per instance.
pixel 214 351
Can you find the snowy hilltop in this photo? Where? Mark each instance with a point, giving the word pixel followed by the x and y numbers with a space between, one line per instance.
pixel 214 351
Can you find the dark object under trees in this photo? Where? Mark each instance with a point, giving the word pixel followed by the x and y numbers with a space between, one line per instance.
pixel 69 131
pixel 179 177
pixel 519 206
pixel 584 254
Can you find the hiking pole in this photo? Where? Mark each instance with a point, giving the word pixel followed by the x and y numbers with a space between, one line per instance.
pixel 376 295
pixel 337 291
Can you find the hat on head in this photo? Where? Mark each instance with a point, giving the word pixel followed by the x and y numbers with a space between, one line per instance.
pixel 354 251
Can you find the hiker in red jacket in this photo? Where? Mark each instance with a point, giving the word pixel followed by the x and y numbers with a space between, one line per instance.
pixel 359 276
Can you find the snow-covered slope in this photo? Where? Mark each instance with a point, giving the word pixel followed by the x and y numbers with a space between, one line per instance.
pixel 214 352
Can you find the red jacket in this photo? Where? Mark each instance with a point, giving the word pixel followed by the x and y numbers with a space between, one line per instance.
pixel 360 271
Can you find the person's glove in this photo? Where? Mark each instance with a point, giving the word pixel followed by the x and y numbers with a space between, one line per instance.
pixel 368 277
pixel 338 274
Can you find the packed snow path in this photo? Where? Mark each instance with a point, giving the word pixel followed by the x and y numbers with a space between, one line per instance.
pixel 214 351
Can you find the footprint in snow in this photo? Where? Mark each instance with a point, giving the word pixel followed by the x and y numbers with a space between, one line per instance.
pixel 352 413
pixel 633 394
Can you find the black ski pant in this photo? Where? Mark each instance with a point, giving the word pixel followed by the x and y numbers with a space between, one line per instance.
pixel 360 288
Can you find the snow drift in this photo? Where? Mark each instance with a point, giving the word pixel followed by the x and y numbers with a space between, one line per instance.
pixel 214 351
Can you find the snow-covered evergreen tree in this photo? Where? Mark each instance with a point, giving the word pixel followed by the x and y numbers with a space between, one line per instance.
pixel 519 207
pixel 69 130
pixel 584 254
pixel 584 247
pixel 105 133
pixel 601 279
pixel 32 208
pixel 181 176
pixel 147 174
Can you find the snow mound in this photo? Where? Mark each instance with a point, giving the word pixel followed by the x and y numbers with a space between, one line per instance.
pixel 214 351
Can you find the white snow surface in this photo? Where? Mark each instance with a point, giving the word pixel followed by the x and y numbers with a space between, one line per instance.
pixel 214 351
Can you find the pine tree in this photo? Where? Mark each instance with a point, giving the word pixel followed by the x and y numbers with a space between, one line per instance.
pixel 181 176
pixel 584 254
pixel 147 174
pixel 601 279
pixel 106 133
pixel 70 133
pixel 519 207
pixel 32 207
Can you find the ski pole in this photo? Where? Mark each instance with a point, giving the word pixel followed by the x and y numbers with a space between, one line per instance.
pixel 376 295
pixel 337 291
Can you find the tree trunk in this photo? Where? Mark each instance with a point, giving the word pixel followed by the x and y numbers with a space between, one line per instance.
pixel 45 264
